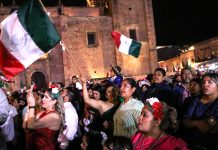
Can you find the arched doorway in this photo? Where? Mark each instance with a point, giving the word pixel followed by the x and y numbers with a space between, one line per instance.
pixel 39 79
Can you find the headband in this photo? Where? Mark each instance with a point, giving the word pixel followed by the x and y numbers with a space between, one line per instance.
pixel 55 93
pixel 156 106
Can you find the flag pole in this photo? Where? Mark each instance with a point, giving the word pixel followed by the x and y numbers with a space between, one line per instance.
pixel 66 49
pixel 42 5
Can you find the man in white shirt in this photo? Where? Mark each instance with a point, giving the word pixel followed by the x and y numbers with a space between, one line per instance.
pixel 71 119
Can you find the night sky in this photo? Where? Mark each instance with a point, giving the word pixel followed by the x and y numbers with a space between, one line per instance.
pixel 185 21
pixel 177 22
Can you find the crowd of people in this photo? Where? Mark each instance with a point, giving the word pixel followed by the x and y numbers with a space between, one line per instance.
pixel 116 113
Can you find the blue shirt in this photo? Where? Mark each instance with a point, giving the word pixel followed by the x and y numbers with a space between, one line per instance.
pixel 199 111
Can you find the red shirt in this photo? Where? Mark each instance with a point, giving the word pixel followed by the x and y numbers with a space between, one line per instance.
pixel 165 142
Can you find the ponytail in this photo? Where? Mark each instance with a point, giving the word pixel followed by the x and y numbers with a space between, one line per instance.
pixel 169 122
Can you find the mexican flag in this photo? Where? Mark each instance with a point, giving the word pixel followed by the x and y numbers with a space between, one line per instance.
pixel 126 45
pixel 26 35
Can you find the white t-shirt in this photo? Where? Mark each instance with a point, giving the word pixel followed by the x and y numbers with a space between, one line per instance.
pixel 79 86
pixel 5 108
pixel 3 99
pixel 8 127
pixel 71 120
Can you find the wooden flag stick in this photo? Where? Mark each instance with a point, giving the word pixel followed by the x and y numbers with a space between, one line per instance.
pixel 42 5
pixel 71 58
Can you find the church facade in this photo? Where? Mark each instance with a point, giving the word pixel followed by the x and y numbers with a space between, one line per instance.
pixel 87 48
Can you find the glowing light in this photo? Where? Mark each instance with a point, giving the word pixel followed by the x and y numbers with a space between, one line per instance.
pixel 212 67
pixel 90 3
pixel 191 48
pixel 62 45
pixel 45 56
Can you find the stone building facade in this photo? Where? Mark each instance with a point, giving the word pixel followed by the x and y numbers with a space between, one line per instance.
pixel 89 48
pixel 174 65
pixel 202 56
pixel 206 50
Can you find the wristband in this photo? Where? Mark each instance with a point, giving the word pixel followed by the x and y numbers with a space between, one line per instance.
pixel 32 107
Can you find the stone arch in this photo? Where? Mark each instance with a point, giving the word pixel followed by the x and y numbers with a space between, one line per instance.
pixel 39 78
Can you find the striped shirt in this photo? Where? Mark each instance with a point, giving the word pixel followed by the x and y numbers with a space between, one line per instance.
pixel 126 117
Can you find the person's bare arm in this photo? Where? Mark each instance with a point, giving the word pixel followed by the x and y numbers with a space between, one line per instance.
pixel 97 104
pixel 51 121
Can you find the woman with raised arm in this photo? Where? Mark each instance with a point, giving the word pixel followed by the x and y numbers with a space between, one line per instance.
pixel 155 119
pixel 105 108
pixel 47 123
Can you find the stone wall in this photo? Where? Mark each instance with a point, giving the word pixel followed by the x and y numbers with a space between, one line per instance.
pixel 206 50
pixel 73 23
pixel 74 11
pixel 175 64
pixel 138 15
pixel 78 57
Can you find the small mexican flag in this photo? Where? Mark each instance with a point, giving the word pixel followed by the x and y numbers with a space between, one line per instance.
pixel 126 45
pixel 26 35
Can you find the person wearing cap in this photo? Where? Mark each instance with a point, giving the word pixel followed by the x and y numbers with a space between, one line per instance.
pixel 115 76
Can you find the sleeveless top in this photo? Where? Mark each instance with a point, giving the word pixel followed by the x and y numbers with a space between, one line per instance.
pixel 108 115
pixel 45 138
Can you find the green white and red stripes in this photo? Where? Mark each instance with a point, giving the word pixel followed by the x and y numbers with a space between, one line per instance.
pixel 126 45
pixel 26 35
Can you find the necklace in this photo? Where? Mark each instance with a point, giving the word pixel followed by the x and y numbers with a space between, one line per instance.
pixel 155 143
pixel 152 146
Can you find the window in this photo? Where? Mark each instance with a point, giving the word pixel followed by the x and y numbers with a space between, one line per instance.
pixel 91 39
pixel 132 34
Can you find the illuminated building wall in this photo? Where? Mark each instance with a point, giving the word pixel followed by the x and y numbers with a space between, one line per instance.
pixel 86 37
pixel 174 65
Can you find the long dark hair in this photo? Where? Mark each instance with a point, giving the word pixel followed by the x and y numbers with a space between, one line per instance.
pixel 94 140
pixel 213 76
pixel 133 84
pixel 114 92
pixel 119 143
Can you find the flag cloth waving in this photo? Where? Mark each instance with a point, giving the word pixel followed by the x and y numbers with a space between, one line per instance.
pixel 126 45
pixel 26 35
